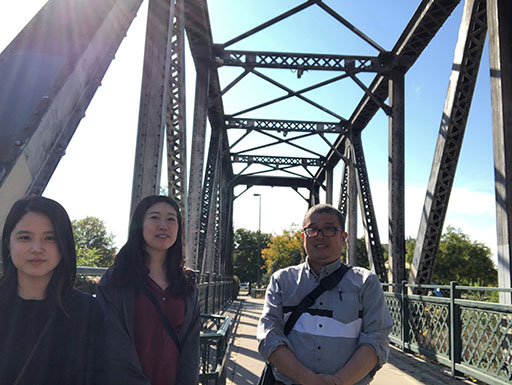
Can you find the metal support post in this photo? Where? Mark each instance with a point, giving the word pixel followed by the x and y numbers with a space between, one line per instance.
pixel 328 184
pixel 499 14
pixel 352 208
pixel 197 160
pixel 396 182
pixel 153 101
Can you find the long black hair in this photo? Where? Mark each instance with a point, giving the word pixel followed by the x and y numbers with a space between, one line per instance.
pixel 131 263
pixel 63 276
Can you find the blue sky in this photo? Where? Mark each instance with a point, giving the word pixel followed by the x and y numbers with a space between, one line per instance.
pixel 106 136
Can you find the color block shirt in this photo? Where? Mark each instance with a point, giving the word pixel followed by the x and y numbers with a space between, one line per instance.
pixel 324 338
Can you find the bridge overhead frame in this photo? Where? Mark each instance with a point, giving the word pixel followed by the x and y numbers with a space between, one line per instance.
pixel 34 137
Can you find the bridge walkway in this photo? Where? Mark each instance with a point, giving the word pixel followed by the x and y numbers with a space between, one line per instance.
pixel 245 364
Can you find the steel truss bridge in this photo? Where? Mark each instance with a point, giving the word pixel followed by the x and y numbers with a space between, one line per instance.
pixel 49 75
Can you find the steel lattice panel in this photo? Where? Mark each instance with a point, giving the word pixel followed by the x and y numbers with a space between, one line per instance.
pixel 487 342
pixel 175 117
pixel 301 61
pixel 395 308
pixel 429 327
pixel 283 125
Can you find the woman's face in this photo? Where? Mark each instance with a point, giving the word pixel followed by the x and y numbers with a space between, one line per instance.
pixel 160 228
pixel 33 247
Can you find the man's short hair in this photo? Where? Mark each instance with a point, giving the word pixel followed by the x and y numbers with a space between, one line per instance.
pixel 323 208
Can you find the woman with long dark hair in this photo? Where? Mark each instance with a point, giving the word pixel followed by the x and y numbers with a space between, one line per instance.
pixel 150 301
pixel 50 333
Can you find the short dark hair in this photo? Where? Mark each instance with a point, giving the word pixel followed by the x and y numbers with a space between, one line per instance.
pixel 63 276
pixel 130 265
pixel 325 209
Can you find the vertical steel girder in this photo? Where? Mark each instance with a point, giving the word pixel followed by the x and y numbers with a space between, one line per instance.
pixel 499 15
pixel 468 53
pixel 373 245
pixel 196 163
pixel 348 203
pixel 153 101
pixel 328 186
pixel 209 205
pixel 352 207
pixel 175 118
pixel 226 220
pixel 49 74
pixel 396 179
pixel 344 189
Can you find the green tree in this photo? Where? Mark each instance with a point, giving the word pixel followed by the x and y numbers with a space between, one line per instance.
pixel 283 251
pixel 362 253
pixel 410 245
pixel 462 260
pixel 94 245
pixel 246 254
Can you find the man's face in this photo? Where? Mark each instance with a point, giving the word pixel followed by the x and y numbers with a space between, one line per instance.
pixel 322 250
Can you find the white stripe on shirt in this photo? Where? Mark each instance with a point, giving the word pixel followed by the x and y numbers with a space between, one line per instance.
pixel 310 324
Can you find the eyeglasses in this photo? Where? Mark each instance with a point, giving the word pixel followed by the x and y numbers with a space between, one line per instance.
pixel 329 231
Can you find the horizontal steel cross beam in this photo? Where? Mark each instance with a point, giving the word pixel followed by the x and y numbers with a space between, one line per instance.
pixel 284 125
pixel 304 61
pixel 285 160
pixel 274 181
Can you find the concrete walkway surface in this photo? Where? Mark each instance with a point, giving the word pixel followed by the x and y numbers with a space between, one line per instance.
pixel 245 365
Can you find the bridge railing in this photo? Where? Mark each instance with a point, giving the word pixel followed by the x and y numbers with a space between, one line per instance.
pixel 215 292
pixel 470 337
pixel 215 334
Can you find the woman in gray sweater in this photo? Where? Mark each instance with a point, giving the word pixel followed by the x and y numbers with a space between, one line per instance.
pixel 151 302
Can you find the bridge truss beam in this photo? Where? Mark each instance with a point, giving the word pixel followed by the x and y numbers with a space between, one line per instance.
pixel 49 77
pixel 499 14
pixel 303 61
pixel 468 53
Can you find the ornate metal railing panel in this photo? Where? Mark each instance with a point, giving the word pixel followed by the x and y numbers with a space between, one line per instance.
pixel 469 336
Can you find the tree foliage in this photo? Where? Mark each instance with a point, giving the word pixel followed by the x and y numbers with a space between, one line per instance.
pixel 283 251
pixel 246 254
pixel 462 260
pixel 94 245
pixel 362 253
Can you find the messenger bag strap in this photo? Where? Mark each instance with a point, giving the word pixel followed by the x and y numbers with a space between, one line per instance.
pixel 165 321
pixel 326 283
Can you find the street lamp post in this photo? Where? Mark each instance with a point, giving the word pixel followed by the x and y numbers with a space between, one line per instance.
pixel 259 242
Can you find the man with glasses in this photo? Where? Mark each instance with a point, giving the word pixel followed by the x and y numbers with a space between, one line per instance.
pixel 343 337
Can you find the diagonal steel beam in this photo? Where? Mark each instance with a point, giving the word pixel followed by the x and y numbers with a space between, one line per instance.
pixel 373 245
pixel 466 63
pixel 421 29
pixel 49 74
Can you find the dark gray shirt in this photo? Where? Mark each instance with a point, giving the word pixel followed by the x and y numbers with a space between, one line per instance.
pixel 324 338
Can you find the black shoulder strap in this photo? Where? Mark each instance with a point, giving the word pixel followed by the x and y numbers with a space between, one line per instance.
pixel 34 348
pixel 165 320
pixel 326 283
